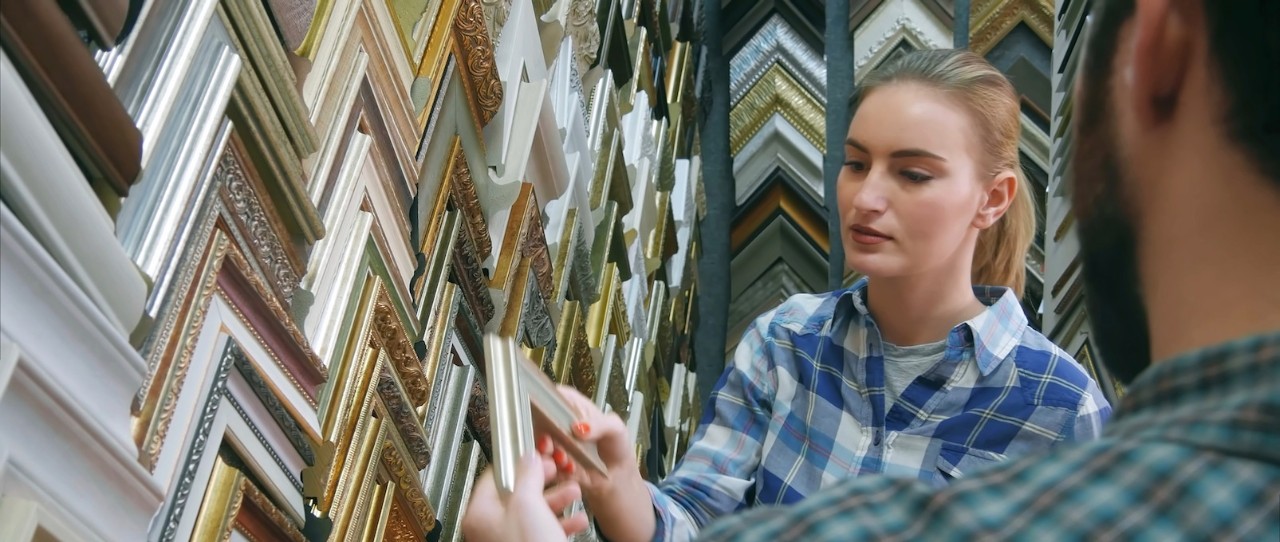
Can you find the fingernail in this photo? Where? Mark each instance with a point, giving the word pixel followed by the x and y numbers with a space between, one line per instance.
pixel 544 444
pixel 581 429
pixel 568 469
pixel 559 457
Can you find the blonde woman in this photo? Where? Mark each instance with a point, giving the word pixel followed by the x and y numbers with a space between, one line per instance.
pixel 925 369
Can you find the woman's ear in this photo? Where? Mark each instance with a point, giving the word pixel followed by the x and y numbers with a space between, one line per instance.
pixel 997 199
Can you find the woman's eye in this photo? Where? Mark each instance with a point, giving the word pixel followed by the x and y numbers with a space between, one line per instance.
pixel 855 165
pixel 915 176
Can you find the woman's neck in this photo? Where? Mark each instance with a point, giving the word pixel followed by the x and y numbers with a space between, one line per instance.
pixel 920 309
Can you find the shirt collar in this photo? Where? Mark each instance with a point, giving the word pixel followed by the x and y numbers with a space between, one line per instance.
pixel 993 333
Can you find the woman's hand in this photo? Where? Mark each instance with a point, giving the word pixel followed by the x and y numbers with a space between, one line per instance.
pixel 530 513
pixel 621 502
pixel 609 433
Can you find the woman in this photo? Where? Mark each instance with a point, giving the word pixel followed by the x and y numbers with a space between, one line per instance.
pixel 912 372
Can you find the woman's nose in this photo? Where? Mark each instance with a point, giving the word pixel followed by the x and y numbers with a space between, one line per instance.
pixel 869 195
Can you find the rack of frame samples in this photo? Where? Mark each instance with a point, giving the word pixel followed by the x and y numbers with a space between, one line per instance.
pixel 257 246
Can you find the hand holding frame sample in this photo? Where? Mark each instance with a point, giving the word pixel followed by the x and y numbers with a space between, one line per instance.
pixel 523 401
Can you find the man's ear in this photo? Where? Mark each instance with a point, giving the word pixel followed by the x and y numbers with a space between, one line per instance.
pixel 997 199
pixel 1159 53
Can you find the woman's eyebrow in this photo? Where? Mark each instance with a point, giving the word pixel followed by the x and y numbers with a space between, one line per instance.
pixel 903 153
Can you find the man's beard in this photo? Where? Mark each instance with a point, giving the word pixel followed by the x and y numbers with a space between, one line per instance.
pixel 1108 241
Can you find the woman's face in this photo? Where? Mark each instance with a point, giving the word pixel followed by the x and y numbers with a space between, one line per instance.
pixel 909 193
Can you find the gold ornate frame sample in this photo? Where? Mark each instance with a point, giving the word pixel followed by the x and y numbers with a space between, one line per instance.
pixel 270 114
pixel 573 363
pixel 233 502
pixel 224 421
pixel 524 274
pixel 470 245
pixel 218 263
pixel 374 415
pixel 992 20
pixel 467 40
pixel 777 92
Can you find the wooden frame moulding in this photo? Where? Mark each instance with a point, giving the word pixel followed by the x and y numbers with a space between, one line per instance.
pixel 242 192
pixel 345 416
pixel 411 516
pixel 663 340
pixel 215 423
pixel 431 65
pixel 335 76
pixel 680 97
pixel 525 257
pixel 401 188
pixel 992 21
pixel 371 265
pixel 217 263
pixel 350 512
pixel 233 502
pixel 434 271
pixel 612 181
pixel 600 314
pixel 662 240
pixel 574 365
pixel 562 273
pixel 608 315
pixel 572 271
pixel 75 96
pixel 609 246
pixel 643 80
pixel 383 365
pixel 477 417
pixel 440 354
pixel 457 192
pixel 269 112
pixel 467 39
pixel 612 390
pixel 524 275
pixel 615 53
pixel 450 426
pixel 602 134
pixel 468 330
pixel 390 499
pixel 467 273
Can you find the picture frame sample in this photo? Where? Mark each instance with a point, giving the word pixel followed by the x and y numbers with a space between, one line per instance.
pixel 522 402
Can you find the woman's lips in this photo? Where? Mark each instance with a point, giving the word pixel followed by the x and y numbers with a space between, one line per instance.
pixel 868 236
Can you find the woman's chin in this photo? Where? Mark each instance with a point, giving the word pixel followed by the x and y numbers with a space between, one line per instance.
pixel 871 265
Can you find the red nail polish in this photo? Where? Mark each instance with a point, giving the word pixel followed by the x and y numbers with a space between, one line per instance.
pixel 544 444
pixel 559 457
pixel 568 469
pixel 581 429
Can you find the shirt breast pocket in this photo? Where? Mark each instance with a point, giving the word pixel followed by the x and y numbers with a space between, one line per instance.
pixel 956 461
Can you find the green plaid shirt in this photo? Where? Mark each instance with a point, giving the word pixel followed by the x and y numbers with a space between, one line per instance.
pixel 1193 453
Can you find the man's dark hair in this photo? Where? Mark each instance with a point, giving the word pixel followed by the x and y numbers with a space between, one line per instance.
pixel 1244 43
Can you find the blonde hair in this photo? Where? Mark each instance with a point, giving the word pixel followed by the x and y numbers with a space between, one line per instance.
pixel 1000 256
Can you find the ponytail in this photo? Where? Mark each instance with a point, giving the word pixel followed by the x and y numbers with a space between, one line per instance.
pixel 1000 257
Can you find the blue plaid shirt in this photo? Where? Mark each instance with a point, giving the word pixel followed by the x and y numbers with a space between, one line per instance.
pixel 1192 454
pixel 802 406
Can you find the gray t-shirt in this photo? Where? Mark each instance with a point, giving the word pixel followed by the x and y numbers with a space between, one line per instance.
pixel 902 364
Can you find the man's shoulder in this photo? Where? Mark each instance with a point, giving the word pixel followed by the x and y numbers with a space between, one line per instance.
pixel 1109 488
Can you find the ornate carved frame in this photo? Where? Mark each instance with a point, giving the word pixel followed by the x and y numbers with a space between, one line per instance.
pixel 375 409
pixel 169 349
